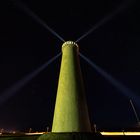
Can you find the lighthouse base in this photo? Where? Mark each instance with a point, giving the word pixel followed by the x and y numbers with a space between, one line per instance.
pixel 70 136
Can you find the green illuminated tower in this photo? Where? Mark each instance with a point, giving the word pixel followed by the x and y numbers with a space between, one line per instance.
pixel 71 119
pixel 71 113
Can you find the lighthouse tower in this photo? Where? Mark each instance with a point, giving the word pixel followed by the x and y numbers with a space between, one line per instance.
pixel 71 113
pixel 71 118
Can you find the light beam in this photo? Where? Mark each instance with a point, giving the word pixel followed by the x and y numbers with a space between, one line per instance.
pixel 124 90
pixel 136 115
pixel 103 21
pixel 29 12
pixel 17 86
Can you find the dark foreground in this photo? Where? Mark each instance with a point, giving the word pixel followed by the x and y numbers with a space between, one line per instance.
pixel 34 137
pixel 19 137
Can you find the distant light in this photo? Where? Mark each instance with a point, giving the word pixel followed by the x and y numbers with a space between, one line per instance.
pixel 120 133
pixel 36 133
pixel 14 132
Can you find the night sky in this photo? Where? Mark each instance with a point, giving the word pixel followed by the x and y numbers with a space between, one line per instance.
pixel 25 45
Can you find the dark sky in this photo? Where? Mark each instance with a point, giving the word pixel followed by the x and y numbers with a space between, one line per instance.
pixel 25 45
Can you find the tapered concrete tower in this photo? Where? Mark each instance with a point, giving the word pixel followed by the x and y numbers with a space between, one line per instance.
pixel 71 119
pixel 71 113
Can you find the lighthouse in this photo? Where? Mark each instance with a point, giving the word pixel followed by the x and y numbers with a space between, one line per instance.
pixel 71 112
pixel 71 119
